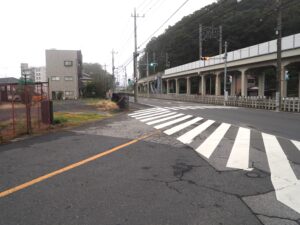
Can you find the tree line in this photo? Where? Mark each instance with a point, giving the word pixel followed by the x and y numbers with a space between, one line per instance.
pixel 244 23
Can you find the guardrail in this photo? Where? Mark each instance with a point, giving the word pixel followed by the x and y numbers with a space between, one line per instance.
pixel 259 102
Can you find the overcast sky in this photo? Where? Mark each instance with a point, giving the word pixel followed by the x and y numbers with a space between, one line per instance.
pixel 95 27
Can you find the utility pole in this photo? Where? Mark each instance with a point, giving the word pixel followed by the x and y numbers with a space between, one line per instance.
pixel 167 60
pixel 105 78
pixel 135 55
pixel 154 62
pixel 220 39
pixel 200 41
pixel 279 37
pixel 147 73
pixel 225 73
pixel 147 64
pixel 113 67
pixel 125 78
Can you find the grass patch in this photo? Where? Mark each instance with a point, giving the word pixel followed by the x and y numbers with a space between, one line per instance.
pixel 66 118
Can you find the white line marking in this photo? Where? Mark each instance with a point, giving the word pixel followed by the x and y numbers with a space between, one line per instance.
pixel 183 108
pixel 210 144
pixel 145 111
pixel 154 114
pixel 176 108
pixel 286 184
pixel 297 144
pixel 180 127
pixel 164 119
pixel 239 156
pixel 149 113
pixel 157 117
pixel 167 107
pixel 172 122
pixel 188 137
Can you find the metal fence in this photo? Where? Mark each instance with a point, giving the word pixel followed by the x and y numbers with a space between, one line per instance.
pixel 287 104
pixel 24 109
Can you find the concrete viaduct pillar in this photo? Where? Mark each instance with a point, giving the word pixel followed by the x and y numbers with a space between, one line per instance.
pixel 199 85
pixel 233 85
pixel 261 85
pixel 244 83
pixel 188 85
pixel 203 85
pixel 218 85
pixel 283 82
pixel 177 86
pixel 148 88
pixel 168 88
pixel 299 85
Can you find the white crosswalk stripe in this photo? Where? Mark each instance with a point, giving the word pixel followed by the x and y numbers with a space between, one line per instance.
pixel 157 117
pixel 286 184
pixel 211 143
pixel 149 113
pixel 154 114
pixel 180 127
pixel 172 122
pixel 297 144
pixel 239 156
pixel 145 111
pixel 165 119
pixel 189 136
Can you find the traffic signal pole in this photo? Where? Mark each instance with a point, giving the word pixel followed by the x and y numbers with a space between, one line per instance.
pixel 278 74
pixel 225 73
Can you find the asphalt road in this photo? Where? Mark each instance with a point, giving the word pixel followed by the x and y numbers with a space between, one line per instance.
pixel 284 124
pixel 156 180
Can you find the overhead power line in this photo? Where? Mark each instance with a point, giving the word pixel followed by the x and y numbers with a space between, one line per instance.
pixel 163 24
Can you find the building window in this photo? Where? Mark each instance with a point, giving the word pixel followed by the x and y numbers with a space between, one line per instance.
pixel 68 78
pixel 69 93
pixel 54 78
pixel 68 63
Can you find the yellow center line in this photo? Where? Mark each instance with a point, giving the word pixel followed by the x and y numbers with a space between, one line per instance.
pixel 71 166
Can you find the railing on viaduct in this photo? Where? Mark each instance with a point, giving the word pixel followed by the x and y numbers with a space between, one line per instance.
pixel 289 42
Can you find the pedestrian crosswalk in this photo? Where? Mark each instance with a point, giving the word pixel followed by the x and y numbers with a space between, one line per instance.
pixel 207 138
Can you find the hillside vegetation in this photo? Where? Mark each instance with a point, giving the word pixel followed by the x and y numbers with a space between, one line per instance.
pixel 246 23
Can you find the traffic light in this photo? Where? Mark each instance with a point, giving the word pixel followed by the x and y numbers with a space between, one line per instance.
pixel 153 64
pixel 204 58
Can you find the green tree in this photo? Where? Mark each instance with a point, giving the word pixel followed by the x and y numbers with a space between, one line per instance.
pixel 246 23
pixel 101 80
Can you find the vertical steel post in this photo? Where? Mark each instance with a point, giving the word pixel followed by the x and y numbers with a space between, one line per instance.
pixel 279 37
pixel 225 74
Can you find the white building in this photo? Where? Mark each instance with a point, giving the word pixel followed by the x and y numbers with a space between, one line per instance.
pixel 40 74
pixel 35 74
